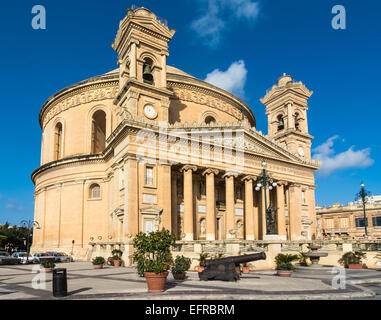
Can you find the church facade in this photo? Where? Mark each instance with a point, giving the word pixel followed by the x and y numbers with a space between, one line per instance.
pixel 148 146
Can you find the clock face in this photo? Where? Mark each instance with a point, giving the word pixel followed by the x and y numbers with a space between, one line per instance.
pixel 150 112
pixel 301 151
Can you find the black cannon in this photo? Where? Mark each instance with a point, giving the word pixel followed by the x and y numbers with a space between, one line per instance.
pixel 225 269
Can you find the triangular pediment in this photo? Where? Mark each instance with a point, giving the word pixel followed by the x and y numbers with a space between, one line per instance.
pixel 256 143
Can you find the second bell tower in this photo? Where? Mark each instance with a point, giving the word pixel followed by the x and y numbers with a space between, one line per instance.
pixel 286 109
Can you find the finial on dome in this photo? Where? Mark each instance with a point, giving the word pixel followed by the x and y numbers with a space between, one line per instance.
pixel 282 81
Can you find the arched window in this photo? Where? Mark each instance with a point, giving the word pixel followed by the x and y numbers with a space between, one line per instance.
pixel 280 122
pixel 98 132
pixel 95 191
pixel 209 120
pixel 297 123
pixel 147 71
pixel 58 141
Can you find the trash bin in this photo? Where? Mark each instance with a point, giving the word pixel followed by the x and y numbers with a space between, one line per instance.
pixel 59 283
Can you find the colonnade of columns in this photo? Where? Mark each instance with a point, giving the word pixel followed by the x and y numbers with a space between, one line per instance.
pixel 254 210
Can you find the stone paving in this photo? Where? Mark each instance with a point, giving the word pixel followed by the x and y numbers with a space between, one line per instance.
pixel 84 282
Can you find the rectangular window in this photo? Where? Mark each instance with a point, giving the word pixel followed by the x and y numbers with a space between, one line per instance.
pixel 344 223
pixel 329 223
pixel 360 223
pixel 149 176
pixel 376 221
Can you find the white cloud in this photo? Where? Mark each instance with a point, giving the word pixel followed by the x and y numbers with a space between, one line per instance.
pixel 345 160
pixel 232 80
pixel 14 204
pixel 219 14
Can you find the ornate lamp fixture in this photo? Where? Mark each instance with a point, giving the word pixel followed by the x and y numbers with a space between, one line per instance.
pixel 265 181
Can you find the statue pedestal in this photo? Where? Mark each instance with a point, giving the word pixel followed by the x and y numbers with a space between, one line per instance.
pixel 271 237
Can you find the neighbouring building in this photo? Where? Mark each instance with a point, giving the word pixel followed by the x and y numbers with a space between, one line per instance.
pixel 148 146
pixel 347 221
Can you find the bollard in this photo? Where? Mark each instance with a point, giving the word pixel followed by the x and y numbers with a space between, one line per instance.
pixel 59 283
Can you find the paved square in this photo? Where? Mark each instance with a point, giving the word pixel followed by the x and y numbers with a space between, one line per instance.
pixel 84 282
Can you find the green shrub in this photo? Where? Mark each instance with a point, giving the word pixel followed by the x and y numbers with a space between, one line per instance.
pixel 181 265
pixel 98 261
pixel 303 260
pixel 202 258
pixel 117 254
pixel 286 266
pixel 284 261
pixel 352 257
pixel 153 251
pixel 47 264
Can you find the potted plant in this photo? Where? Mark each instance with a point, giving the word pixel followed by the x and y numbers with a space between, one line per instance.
pixel 303 260
pixel 153 257
pixel 98 262
pixel 202 260
pixel 245 268
pixel 117 257
pixel 284 264
pixel 180 267
pixel 47 266
pixel 352 259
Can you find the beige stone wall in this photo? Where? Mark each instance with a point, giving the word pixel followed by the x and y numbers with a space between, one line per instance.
pixel 77 124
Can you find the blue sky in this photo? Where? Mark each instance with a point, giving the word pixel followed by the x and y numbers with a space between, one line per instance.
pixel 242 45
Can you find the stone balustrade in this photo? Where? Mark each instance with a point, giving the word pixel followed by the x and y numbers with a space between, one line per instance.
pixel 193 249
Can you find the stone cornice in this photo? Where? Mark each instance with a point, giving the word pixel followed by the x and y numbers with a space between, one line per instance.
pixel 66 161
pixel 185 82
pixel 63 96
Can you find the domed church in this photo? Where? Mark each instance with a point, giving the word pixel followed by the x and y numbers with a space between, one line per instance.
pixel 148 146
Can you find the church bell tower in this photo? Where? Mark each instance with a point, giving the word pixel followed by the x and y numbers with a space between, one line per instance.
pixel 142 47
pixel 286 109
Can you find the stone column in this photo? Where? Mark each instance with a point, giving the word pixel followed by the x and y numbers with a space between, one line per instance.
pixel 131 205
pixel 210 204
pixel 263 230
pixel 295 208
pixel 174 204
pixel 165 201
pixel 290 118
pixel 312 210
pixel 164 55
pixel 280 210
pixel 249 208
pixel 188 202
pixel 133 59
pixel 230 205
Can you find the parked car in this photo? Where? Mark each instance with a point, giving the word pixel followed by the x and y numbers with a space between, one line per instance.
pixel 5 258
pixel 60 256
pixel 39 256
pixel 65 257
pixel 24 258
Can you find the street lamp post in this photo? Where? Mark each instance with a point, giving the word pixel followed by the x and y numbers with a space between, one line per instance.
pixel 364 195
pixel 264 182
pixel 29 225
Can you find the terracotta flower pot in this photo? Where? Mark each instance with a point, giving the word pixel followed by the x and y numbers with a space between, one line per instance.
pixel 245 270
pixel 98 266
pixel 284 273
pixel 48 270
pixel 200 269
pixel 354 266
pixel 117 263
pixel 156 282
pixel 178 276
